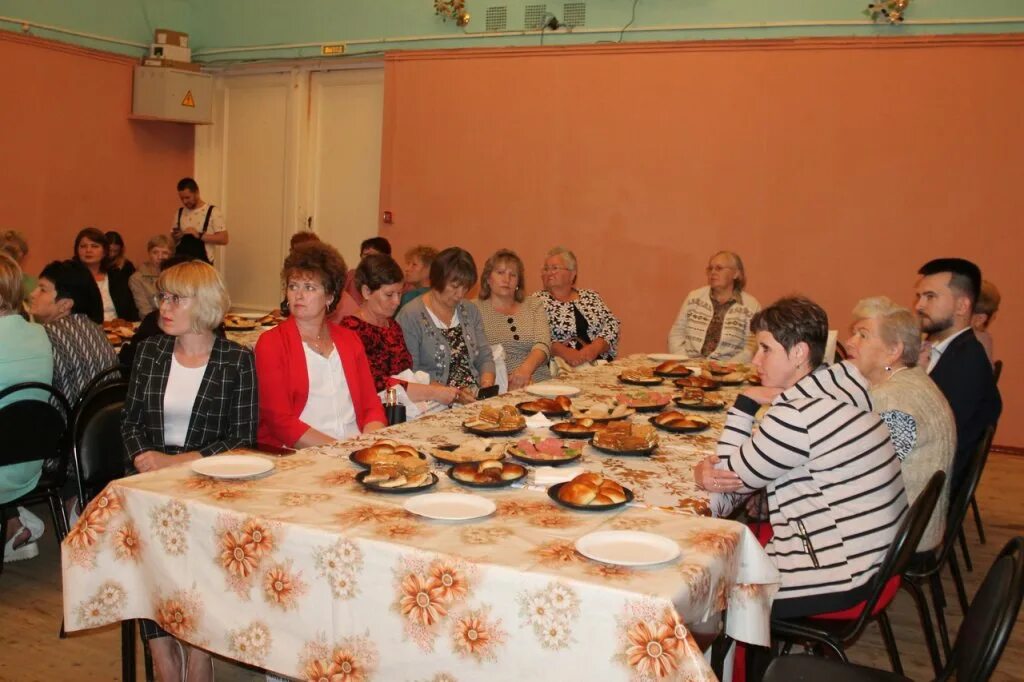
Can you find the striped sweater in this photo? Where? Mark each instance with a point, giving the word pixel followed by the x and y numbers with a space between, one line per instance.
pixel 835 492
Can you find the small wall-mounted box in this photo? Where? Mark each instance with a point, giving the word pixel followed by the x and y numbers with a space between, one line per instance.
pixel 165 36
pixel 168 94
pixel 172 52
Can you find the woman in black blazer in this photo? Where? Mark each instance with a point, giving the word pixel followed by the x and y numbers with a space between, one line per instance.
pixel 192 394
pixel 93 251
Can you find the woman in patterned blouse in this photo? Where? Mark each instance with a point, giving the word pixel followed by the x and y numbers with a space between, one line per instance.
pixel 379 279
pixel 520 326
pixel 582 327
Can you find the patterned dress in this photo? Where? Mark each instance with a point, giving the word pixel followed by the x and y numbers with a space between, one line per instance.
pixel 385 349
pixel 566 318
pixel 519 334
pixel 80 352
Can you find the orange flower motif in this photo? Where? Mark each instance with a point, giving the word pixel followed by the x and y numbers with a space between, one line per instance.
pixel 517 508
pixel 345 667
pixel 557 552
pixel 256 534
pixel 421 603
pixel 85 533
pixel 471 635
pixel 317 671
pixel 104 506
pixel 400 531
pixel 553 519
pixel 338 477
pixel 714 542
pixel 237 556
pixel 278 586
pixel 610 572
pixel 367 513
pixel 229 493
pixel 127 544
pixel 175 618
pixel 652 651
pixel 449 583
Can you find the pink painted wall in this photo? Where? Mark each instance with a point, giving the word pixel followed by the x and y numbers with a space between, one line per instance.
pixel 73 158
pixel 835 167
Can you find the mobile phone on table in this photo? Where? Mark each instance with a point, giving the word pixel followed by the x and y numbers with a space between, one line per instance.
pixel 489 392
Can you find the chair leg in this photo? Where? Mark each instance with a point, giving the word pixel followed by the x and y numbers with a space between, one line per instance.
pixel 939 599
pixel 3 536
pixel 719 651
pixel 963 547
pixel 147 659
pixel 954 568
pixel 977 519
pixel 890 643
pixel 926 624
pixel 128 651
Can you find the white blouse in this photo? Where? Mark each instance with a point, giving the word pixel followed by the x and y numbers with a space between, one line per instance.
pixel 109 311
pixel 179 399
pixel 329 406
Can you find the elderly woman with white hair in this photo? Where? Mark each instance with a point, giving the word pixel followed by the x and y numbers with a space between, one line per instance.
pixel 714 321
pixel 583 329
pixel 884 346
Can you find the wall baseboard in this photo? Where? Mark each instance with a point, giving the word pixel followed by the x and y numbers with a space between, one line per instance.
pixel 1008 450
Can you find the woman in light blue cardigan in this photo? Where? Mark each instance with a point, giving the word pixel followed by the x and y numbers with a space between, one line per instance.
pixel 444 333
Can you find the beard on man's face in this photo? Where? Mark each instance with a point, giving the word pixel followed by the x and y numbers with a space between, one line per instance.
pixel 930 326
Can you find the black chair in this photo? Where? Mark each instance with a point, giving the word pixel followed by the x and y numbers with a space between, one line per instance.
pixel 979 644
pixel 997 371
pixel 836 634
pixel 34 430
pixel 927 567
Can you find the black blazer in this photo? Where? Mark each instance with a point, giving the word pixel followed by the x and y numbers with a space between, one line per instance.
pixel 225 413
pixel 121 295
pixel 964 375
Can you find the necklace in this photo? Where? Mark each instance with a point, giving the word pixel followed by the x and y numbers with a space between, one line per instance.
pixel 890 372
pixel 317 343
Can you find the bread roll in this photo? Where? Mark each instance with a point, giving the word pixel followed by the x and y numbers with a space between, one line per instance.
pixel 396 482
pixel 578 493
pixel 417 480
pixel 511 472
pixel 490 464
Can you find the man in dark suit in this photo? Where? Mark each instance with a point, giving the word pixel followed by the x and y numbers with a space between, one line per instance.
pixel 953 356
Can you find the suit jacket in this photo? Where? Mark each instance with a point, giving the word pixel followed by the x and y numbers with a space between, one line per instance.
pixel 121 295
pixel 964 376
pixel 225 412
pixel 284 382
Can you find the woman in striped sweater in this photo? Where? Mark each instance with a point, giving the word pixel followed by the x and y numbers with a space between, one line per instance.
pixel 835 493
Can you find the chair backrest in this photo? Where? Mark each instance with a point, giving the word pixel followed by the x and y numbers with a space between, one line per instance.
pixel 903 547
pixel 34 429
pixel 117 372
pixel 997 370
pixel 960 500
pixel 97 445
pixel 990 618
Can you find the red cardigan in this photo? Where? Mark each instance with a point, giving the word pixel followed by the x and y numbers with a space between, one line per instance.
pixel 284 382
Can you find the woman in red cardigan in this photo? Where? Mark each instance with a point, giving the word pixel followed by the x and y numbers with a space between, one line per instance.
pixel 314 380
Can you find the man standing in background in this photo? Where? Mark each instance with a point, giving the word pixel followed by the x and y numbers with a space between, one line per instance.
pixel 198 226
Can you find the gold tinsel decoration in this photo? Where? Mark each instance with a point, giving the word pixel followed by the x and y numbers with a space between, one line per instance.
pixel 889 10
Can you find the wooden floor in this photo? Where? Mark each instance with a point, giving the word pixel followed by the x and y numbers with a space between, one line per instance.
pixel 30 607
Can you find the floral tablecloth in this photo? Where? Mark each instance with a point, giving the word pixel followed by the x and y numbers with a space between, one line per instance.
pixel 305 573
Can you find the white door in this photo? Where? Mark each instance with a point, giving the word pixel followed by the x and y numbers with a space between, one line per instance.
pixel 344 157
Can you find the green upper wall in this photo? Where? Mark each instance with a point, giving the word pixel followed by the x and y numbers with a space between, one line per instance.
pixel 236 30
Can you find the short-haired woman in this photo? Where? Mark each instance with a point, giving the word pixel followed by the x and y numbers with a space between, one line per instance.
pixel 884 345
pixel 65 302
pixel 143 281
pixel 93 251
pixel 25 355
pixel 315 381
pixel 14 244
pixel 714 321
pixel 583 329
pixel 191 395
pixel 417 272
pixel 835 494
pixel 517 323
pixel 444 332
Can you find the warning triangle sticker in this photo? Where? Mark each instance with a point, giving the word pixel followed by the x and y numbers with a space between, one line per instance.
pixel 188 101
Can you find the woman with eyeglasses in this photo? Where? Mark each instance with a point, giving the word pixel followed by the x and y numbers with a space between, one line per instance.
pixel 518 324
pixel 192 394
pixel 714 321
pixel 583 329
pixel 315 382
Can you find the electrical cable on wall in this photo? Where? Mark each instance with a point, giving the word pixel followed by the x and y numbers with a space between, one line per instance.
pixel 632 18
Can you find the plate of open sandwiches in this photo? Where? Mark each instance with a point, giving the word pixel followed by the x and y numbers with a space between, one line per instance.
pixel 641 376
pixel 627 439
pixel 695 399
pixel 545 451
pixel 703 383
pixel 473 450
pixel 549 407
pixel 407 475
pixel 384 450
pixel 718 369
pixel 490 473
pixel 672 368
pixel 240 323
pixel 494 421
pixel 603 411
pixel 680 422
pixel 590 492
pixel 578 428
pixel 644 401
pixel 118 331
pixel 272 318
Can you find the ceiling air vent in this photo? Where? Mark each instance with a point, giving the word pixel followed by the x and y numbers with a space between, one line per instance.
pixel 574 14
pixel 535 16
pixel 496 19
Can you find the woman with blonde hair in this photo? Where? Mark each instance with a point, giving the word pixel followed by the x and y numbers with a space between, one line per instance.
pixel 143 281
pixel 192 394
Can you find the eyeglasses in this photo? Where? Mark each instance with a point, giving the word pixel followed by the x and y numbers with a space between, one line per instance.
pixel 173 300
pixel 554 268
pixel 718 268
pixel 308 287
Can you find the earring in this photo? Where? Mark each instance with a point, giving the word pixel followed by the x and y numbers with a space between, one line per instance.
pixel 888 369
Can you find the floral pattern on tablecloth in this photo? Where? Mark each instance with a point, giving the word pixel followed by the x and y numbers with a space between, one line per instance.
pixel 306 573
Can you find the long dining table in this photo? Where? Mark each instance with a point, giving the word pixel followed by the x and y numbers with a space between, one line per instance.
pixel 306 573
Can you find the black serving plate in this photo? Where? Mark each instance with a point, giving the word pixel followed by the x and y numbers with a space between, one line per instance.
pixel 395 491
pixel 354 458
pixel 646 452
pixel 706 406
pixel 514 451
pixel 553 494
pixel 489 433
pixel 655 381
pixel 494 484
pixel 698 382
pixel 547 413
pixel 573 434
pixel 684 372
pixel 682 429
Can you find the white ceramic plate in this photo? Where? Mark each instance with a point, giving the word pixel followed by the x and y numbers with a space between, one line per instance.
pixel 551 390
pixel 627 548
pixel 232 466
pixel 665 357
pixel 450 506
